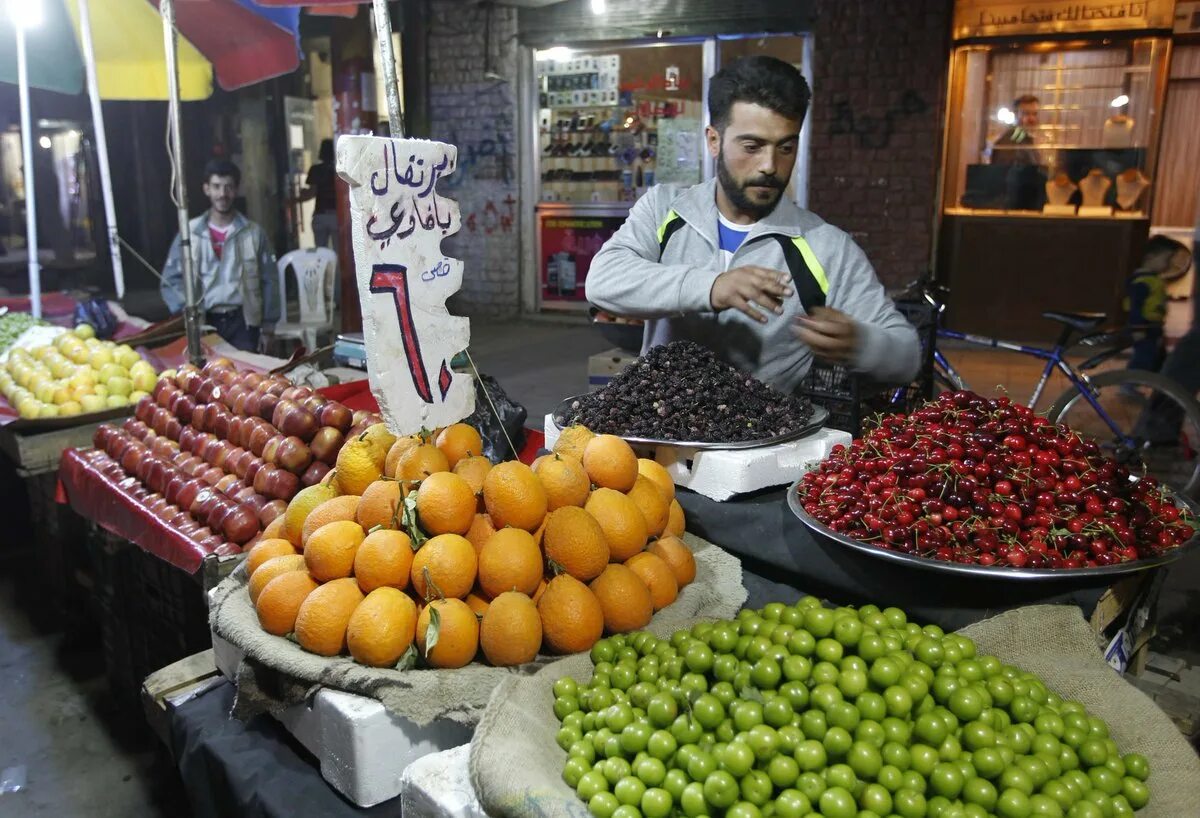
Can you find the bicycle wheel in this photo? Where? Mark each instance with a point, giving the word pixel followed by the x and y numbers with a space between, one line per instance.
pixel 943 382
pixel 1158 424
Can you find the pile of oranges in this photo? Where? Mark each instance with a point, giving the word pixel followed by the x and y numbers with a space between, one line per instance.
pixel 419 547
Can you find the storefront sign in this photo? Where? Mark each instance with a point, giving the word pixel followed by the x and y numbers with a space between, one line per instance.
pixel 398 222
pixel 568 245
pixel 987 18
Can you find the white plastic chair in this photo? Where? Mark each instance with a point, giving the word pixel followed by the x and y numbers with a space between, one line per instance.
pixel 315 270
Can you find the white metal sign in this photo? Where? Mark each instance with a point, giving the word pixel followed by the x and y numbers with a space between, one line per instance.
pixel 398 222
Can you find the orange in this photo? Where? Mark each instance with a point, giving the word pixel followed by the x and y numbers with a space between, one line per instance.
pixel 657 474
pixel 650 501
pixel 573 441
pixel 344 507
pixel 514 496
pixel 474 470
pixel 381 628
pixel 541 589
pixel 301 506
pixel 676 524
pixel 451 564
pixel 621 521
pixel 678 556
pixel 572 619
pixel 575 543
pixel 271 569
pixel 446 504
pixel 658 576
pixel 418 463
pixel 459 441
pixel 274 529
pixel 566 482
pixel 324 616
pixel 265 550
pixel 457 633
pixel 330 551
pixel 624 598
pixel 381 441
pixel 280 600
pixel 358 465
pixel 401 447
pixel 478 601
pixel 384 558
pixel 380 505
pixel 479 532
pixel 510 561
pixel 610 463
pixel 511 631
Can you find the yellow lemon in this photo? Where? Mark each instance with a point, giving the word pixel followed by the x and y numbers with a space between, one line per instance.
pixel 110 371
pixel 100 390
pixel 70 408
pixel 85 331
pixel 136 395
pixel 119 387
pixel 143 381
pixel 115 401
pixel 91 403
pixel 48 410
pixel 358 465
pixel 100 357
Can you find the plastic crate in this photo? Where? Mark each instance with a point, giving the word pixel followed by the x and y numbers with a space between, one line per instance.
pixel 852 398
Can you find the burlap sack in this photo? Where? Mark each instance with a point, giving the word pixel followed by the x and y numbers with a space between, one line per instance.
pixel 277 673
pixel 516 766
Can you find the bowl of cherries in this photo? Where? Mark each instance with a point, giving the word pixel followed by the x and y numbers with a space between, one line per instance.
pixel 975 485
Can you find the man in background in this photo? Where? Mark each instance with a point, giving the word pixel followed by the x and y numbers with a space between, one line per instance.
pixel 321 185
pixel 1015 145
pixel 233 262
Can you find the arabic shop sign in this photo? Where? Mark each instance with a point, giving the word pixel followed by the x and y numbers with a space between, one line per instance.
pixel 980 18
pixel 398 221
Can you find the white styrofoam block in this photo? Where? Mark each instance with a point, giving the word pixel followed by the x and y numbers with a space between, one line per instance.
pixel 363 750
pixel 439 786
pixel 721 474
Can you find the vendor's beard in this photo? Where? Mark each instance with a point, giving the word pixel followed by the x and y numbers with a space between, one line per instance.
pixel 736 192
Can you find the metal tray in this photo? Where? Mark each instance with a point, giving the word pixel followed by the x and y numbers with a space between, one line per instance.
pixel 993 572
pixel 819 416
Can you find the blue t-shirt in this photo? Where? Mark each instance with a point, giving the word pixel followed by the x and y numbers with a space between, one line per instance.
pixel 730 237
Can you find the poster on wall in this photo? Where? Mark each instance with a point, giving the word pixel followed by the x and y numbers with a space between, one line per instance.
pixel 679 151
pixel 568 243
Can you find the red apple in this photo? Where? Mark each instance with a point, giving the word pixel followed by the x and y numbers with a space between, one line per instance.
pixel 315 473
pixel 221 427
pixel 212 475
pixel 175 486
pixel 293 455
pixel 212 366
pixel 313 403
pixel 199 414
pixel 132 457
pixel 188 492
pixel 272 447
pixel 291 418
pixel 267 404
pixel 240 524
pixel 228 484
pixel 226 377
pixel 184 408
pixel 174 428
pixel 270 511
pixel 207 391
pixel 144 409
pixel 336 415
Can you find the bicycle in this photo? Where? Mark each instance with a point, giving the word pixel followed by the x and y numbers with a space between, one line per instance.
pixel 1138 417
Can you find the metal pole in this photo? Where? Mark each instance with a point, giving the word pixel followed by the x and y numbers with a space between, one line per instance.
pixel 31 237
pixel 383 31
pixel 191 310
pixel 110 212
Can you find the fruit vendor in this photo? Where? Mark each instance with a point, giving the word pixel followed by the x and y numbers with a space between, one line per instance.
pixel 735 265
pixel 233 260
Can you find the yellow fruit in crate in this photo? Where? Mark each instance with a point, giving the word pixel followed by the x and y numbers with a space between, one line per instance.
pixel 65 341
pixel 100 390
pixel 45 391
pixel 93 343
pixel 143 381
pixel 62 368
pixel 126 355
pixel 110 371
pixel 70 408
pixel 119 386
pixel 298 509
pixel 83 376
pixel 62 394
pixel 49 410
pixel 136 395
pixel 79 354
pixel 91 403
pixel 116 401
pixel 141 366
pixel 85 331
pixel 381 439
pixel 100 358
pixel 30 408
pixel 39 353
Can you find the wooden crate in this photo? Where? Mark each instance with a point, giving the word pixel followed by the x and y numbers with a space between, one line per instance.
pixel 38 453
pixel 174 684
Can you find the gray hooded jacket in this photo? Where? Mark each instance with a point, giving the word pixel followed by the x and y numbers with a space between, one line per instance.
pixel 627 278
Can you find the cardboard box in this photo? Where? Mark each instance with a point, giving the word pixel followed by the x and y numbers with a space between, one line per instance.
pixel 603 366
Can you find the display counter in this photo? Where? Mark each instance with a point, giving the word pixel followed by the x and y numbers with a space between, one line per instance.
pixel 1005 268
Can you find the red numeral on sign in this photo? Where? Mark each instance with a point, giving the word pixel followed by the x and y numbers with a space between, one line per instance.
pixel 393 278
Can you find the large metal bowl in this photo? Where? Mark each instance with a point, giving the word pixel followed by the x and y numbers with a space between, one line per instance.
pixel 994 572
pixel 819 416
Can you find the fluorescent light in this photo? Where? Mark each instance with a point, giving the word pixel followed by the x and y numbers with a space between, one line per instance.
pixel 599 6
pixel 1120 102
pixel 558 53
pixel 1006 116
pixel 44 142
pixel 25 13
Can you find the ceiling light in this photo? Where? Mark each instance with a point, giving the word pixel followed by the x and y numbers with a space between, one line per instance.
pixel 44 142
pixel 1120 102
pixel 599 6
pixel 1006 116
pixel 25 13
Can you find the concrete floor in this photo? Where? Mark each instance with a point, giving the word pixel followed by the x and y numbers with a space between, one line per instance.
pixel 83 757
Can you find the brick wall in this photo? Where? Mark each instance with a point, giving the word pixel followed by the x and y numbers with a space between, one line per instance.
pixel 477 113
pixel 879 80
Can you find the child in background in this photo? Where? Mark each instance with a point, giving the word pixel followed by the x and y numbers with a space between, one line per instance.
pixel 1146 303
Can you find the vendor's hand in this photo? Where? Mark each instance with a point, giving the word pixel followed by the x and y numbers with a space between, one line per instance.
pixel 829 333
pixel 753 290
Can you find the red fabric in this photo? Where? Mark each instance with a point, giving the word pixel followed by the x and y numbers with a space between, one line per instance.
pixel 354 395
pixel 54 306
pixel 243 47
pixel 535 441
pixel 217 237
pixel 99 491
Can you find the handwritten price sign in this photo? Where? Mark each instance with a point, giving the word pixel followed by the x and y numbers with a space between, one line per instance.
pixel 398 222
